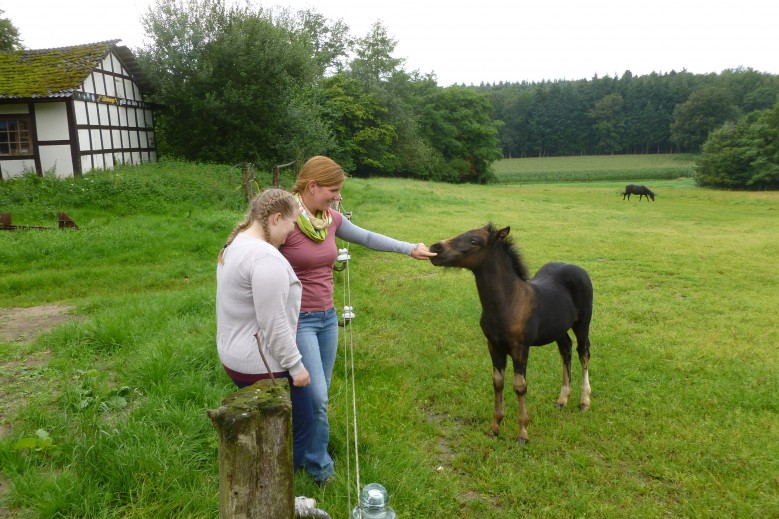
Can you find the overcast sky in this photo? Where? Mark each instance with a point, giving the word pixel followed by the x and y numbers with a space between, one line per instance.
pixel 487 40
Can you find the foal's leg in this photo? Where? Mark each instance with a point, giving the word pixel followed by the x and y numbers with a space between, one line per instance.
pixel 520 388
pixel 564 346
pixel 498 377
pixel 583 349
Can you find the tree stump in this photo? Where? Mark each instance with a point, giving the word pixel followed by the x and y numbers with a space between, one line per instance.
pixel 254 426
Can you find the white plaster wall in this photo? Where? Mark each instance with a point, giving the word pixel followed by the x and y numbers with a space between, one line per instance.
pixel 56 158
pixel 80 109
pixel 106 136
pixel 16 168
pixel 113 115
pixel 102 112
pixel 92 113
pixel 97 144
pixel 83 140
pixel 86 163
pixel 108 160
pixel 52 122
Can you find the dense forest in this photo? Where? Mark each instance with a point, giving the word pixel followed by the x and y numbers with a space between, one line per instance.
pixel 657 113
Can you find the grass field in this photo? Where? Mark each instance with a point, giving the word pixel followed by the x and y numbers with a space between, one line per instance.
pixel 105 416
pixel 594 168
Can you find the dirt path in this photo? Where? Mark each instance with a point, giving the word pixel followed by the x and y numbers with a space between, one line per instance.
pixel 25 324
pixel 20 326
pixel 19 372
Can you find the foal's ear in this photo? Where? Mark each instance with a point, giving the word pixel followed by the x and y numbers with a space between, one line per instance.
pixel 501 234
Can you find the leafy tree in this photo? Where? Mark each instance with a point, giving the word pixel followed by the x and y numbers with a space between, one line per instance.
pixel 234 85
pixel 608 122
pixel 357 119
pixel 330 41
pixel 9 34
pixel 742 154
pixel 705 110
pixel 374 63
pixel 458 124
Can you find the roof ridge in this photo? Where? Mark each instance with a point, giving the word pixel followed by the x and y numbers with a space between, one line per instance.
pixel 67 47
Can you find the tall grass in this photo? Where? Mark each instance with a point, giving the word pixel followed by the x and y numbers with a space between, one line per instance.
pixel 684 369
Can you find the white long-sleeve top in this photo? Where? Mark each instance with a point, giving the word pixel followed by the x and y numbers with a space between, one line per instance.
pixel 257 290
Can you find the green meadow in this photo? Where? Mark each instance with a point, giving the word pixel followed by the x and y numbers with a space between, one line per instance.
pixel 105 415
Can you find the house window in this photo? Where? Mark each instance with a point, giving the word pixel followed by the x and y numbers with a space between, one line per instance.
pixel 15 137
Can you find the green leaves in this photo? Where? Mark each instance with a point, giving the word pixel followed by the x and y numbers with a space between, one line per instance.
pixel 742 155
pixel 94 392
pixel 40 443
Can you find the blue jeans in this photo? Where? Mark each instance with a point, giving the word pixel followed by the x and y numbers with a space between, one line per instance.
pixel 317 338
pixel 300 398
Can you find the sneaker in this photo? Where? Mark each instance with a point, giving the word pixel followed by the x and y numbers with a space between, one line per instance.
pixel 304 502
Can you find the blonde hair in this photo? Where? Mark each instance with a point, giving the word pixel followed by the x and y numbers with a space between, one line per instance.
pixel 322 170
pixel 263 206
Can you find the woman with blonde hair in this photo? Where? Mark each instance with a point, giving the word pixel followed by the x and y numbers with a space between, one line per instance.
pixel 258 305
pixel 311 250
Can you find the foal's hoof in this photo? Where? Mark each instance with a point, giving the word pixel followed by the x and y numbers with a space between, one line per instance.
pixel 583 407
pixel 560 406
pixel 521 442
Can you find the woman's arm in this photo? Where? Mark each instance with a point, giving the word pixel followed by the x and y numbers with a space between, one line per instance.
pixel 270 291
pixel 354 234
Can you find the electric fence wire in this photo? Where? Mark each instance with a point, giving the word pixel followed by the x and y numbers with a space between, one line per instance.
pixel 348 349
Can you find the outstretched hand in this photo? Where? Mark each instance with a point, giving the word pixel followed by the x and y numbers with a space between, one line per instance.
pixel 421 252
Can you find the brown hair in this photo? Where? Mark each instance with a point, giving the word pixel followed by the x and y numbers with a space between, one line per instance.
pixel 322 170
pixel 263 206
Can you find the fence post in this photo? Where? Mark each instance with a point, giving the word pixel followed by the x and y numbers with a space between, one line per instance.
pixel 247 173
pixel 275 176
pixel 254 428
pixel 277 170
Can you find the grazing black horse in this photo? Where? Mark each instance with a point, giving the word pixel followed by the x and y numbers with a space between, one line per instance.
pixel 641 191
pixel 518 312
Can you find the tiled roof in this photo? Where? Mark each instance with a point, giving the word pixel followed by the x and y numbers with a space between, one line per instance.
pixel 51 73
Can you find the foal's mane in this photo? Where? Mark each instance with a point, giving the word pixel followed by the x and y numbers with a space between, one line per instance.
pixel 507 246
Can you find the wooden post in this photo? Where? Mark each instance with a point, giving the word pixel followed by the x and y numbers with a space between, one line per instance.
pixel 247 173
pixel 275 176
pixel 254 427
pixel 277 170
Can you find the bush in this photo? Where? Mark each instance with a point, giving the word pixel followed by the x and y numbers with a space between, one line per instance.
pixel 742 155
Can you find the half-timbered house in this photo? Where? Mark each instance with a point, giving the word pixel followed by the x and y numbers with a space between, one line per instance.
pixel 69 110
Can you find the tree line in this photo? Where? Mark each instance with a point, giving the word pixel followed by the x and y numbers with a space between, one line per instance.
pixel 656 113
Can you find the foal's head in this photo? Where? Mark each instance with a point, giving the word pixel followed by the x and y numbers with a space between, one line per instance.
pixel 471 249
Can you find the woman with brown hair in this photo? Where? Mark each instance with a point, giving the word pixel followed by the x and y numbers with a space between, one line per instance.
pixel 311 250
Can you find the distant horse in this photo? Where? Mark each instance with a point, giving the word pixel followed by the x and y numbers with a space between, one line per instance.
pixel 641 191
pixel 518 312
